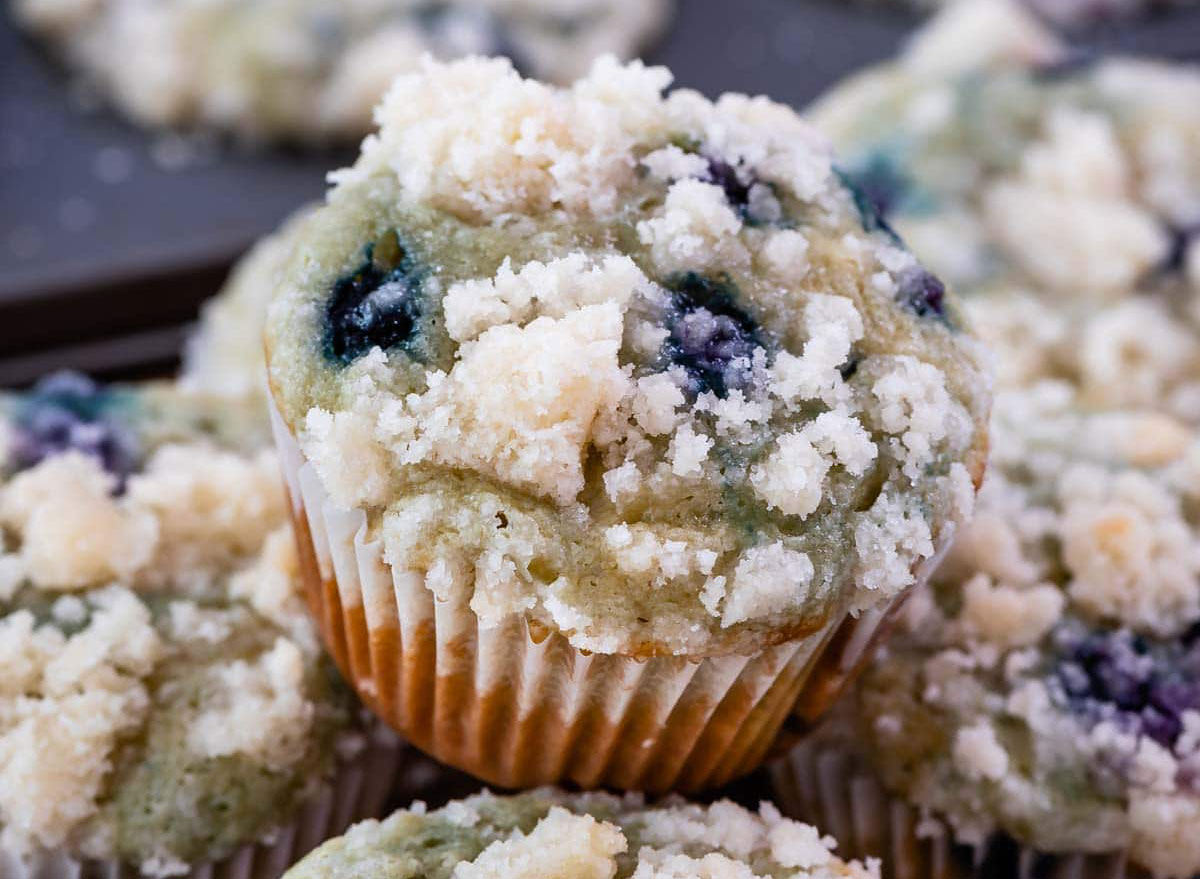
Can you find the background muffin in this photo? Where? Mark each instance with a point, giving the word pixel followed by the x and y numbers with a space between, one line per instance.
pixel 1059 195
pixel 304 69
pixel 547 833
pixel 163 697
pixel 224 355
pixel 605 371
pixel 1048 685
pixel 1042 691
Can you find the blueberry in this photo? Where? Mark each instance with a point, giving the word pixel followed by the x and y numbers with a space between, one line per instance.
pixel 1144 688
pixel 1175 696
pixel 726 176
pixel 1192 635
pixel 1070 62
pixel 67 411
pixel 1075 679
pixel 879 189
pixel 710 335
pixel 377 304
pixel 1181 240
pixel 881 183
pixel 1161 726
pixel 922 292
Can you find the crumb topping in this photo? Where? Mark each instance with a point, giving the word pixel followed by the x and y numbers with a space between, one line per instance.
pixel 630 363
pixel 582 836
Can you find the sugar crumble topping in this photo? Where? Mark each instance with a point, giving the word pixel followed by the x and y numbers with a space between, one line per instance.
pixel 658 340
pixel 586 836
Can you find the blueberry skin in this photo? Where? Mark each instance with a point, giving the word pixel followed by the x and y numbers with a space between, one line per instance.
pixel 1119 677
pixel 1181 240
pixel 710 335
pixel 375 305
pixel 921 292
pixel 67 411
pixel 877 189
pixel 724 175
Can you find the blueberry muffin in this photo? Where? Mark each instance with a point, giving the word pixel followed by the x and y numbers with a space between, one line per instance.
pixel 224 356
pixel 1074 16
pixel 546 834
pixel 1046 688
pixel 1060 195
pixel 163 699
pixel 310 70
pixel 578 378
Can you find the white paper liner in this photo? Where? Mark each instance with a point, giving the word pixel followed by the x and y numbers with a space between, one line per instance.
pixel 829 785
pixel 360 789
pixel 517 710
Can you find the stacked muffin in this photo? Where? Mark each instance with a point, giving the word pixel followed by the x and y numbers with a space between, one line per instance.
pixel 1041 704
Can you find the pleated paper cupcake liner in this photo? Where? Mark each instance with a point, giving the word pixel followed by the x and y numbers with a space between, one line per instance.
pixel 360 788
pixel 517 708
pixel 830 785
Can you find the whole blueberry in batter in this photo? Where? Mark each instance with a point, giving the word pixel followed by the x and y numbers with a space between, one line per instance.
pixel 67 411
pixel 376 304
pixel 711 336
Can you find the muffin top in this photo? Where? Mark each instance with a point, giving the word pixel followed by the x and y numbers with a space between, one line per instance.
pixel 1059 194
pixel 162 694
pixel 637 366
pixel 224 356
pixel 1049 682
pixel 547 834
pixel 313 70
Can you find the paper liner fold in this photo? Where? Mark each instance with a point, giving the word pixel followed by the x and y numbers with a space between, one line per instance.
pixel 830 786
pixel 360 789
pixel 518 708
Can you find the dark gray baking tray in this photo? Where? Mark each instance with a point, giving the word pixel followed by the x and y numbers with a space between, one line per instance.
pixel 107 245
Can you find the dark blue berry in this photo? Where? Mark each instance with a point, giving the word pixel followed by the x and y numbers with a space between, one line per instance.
pixel 726 176
pixel 1181 240
pixel 1145 689
pixel 879 189
pixel 1192 635
pixel 922 292
pixel 1070 62
pixel 880 183
pixel 847 369
pixel 67 411
pixel 376 305
pixel 711 336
